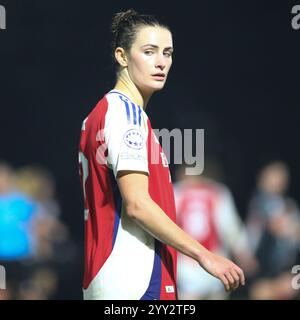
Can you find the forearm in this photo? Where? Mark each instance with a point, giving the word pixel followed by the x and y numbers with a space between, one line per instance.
pixel 154 220
pixel 145 212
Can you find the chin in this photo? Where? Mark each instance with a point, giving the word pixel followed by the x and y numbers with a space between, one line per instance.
pixel 153 87
pixel 157 86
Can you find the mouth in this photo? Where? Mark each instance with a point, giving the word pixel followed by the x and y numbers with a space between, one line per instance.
pixel 159 76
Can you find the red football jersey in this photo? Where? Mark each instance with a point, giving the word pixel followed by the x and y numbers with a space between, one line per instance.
pixel 123 261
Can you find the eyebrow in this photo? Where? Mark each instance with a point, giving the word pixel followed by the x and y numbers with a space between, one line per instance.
pixel 156 47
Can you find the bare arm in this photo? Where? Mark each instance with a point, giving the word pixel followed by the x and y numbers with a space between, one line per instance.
pixel 145 212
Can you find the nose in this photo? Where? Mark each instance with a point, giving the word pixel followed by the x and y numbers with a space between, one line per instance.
pixel 160 63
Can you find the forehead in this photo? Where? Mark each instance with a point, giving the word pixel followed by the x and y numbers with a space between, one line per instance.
pixel 159 36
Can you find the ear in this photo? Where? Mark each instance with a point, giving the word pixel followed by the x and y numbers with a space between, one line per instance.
pixel 121 56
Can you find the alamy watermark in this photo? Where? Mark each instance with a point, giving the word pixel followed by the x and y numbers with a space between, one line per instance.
pixel 295 22
pixel 296 278
pixel 2 18
pixel 183 148
pixel 2 278
pixel 188 148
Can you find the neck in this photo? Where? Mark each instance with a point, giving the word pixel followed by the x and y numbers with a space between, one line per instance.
pixel 127 86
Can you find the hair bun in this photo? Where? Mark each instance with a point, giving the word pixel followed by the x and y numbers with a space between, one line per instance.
pixel 120 18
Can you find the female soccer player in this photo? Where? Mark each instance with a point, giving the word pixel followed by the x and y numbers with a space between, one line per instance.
pixel 131 237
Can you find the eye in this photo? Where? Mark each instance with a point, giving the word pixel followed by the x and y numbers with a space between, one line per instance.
pixel 148 52
pixel 168 54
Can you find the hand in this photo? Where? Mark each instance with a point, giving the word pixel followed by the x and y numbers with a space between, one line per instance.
pixel 229 273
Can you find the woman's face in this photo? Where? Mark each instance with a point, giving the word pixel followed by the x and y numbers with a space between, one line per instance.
pixel 150 58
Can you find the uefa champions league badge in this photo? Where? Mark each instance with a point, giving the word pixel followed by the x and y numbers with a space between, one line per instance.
pixel 133 138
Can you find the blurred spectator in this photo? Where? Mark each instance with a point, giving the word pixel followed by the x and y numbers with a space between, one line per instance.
pixel 38 183
pixel 42 285
pixel 273 225
pixel 54 248
pixel 206 211
pixel 16 217
pixel 35 245
pixel 16 224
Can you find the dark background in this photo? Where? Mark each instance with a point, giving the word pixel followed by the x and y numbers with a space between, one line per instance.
pixel 235 73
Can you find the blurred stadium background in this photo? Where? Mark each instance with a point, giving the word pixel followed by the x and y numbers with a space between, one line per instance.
pixel 235 73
